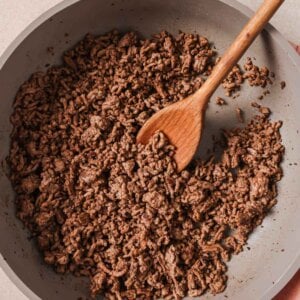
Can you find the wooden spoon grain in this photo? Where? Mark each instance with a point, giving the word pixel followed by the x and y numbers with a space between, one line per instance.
pixel 182 122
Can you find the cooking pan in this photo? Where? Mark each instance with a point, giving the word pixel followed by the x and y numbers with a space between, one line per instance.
pixel 274 255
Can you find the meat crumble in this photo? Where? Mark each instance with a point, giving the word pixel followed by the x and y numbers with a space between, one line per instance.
pixel 255 75
pixel 220 101
pixel 102 206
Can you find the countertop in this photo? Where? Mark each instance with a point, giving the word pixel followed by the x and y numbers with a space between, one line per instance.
pixel 15 15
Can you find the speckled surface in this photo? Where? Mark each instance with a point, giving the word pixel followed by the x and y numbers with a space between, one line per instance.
pixel 15 15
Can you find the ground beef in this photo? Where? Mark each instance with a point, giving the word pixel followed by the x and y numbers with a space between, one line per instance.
pixel 232 83
pixel 239 115
pixel 282 85
pixel 255 75
pixel 104 207
pixel 220 101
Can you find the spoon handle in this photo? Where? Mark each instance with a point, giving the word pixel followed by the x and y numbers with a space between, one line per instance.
pixel 237 49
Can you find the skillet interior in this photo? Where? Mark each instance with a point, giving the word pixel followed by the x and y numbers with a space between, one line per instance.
pixel 254 274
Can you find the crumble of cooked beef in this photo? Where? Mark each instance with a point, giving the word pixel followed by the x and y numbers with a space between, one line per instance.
pixel 255 75
pixel 220 101
pixel 232 83
pixel 282 85
pixel 239 115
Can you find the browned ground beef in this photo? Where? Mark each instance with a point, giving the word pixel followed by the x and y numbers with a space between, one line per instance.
pixel 103 207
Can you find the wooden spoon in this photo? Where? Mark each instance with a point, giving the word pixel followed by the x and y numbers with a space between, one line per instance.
pixel 182 122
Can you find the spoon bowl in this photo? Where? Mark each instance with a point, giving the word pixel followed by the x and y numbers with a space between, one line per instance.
pixel 185 137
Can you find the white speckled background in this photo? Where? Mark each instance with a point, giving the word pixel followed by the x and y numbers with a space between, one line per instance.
pixel 15 15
